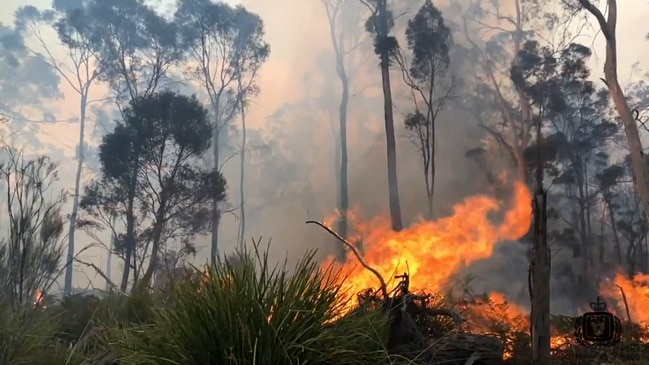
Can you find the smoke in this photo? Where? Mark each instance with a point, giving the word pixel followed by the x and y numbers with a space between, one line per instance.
pixel 291 162
pixel 296 114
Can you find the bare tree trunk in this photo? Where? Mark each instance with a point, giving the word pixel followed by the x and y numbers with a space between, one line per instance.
pixel 344 191
pixel 540 293
pixel 608 27
pixel 216 214
pixel 242 191
pixel 341 164
pixel 75 199
pixel 391 144
pixel 431 179
pixel 540 270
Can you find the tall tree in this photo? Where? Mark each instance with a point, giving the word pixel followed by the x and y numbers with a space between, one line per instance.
pixel 79 68
pixel 174 195
pixel 379 24
pixel 227 46
pixel 608 25
pixel 562 100
pixel 137 46
pixel 30 255
pixel 430 41
pixel 341 14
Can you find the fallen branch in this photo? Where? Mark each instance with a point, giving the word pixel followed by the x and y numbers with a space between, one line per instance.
pixel 455 316
pixel 384 286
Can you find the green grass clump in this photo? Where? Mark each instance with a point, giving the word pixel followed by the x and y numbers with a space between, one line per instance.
pixel 246 312
pixel 27 336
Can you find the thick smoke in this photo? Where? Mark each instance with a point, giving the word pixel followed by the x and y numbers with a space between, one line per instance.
pixel 291 169
pixel 297 111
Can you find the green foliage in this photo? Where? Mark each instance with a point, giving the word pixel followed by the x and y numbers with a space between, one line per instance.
pixel 247 312
pixel 149 167
pixel 430 41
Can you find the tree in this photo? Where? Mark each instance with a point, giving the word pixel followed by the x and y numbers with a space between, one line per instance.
pixel 379 24
pixel 31 254
pixel 564 102
pixel 137 46
pixel 501 109
pixel 608 26
pixel 79 69
pixel 168 133
pixel 228 47
pixel 430 41
pixel 342 14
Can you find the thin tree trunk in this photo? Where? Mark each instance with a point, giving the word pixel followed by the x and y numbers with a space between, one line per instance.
pixel 391 144
pixel 540 269
pixel 540 315
pixel 242 218
pixel 616 237
pixel 109 265
pixel 431 180
pixel 216 214
pixel 608 26
pixel 393 182
pixel 344 191
pixel 158 227
pixel 130 243
pixel 341 163
pixel 75 199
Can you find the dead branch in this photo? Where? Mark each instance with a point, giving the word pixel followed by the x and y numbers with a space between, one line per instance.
pixel 384 286
pixel 626 303
pixel 101 273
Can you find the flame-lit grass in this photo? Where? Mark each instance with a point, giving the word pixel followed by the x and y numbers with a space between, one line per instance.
pixel 247 312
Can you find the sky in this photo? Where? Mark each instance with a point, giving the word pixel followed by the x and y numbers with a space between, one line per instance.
pixel 297 29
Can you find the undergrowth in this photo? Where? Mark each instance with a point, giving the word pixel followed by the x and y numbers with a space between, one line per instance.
pixel 244 311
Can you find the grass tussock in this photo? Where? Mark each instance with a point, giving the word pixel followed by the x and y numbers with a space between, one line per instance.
pixel 245 312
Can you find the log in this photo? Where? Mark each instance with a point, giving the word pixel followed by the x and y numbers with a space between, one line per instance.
pixel 460 348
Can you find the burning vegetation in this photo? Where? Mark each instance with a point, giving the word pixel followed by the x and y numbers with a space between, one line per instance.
pixel 516 149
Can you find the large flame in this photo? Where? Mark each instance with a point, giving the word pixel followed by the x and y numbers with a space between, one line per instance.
pixel 433 251
pixel 630 295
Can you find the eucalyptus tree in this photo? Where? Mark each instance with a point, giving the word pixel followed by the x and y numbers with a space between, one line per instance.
pixel 225 47
pixel 430 42
pixel 379 24
pixel 169 132
pixel 136 46
pixel 79 66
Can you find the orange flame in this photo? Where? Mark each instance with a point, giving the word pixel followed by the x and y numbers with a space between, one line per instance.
pixel 39 296
pixel 433 251
pixel 636 290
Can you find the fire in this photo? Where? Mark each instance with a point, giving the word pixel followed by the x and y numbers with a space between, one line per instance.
pixel 39 296
pixel 636 290
pixel 432 252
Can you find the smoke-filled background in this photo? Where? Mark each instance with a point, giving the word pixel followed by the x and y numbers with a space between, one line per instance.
pixel 291 165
